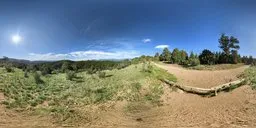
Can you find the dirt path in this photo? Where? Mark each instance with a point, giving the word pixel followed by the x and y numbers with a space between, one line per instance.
pixel 236 109
pixel 202 78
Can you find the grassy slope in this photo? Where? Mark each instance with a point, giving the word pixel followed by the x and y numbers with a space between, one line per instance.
pixel 64 99
pixel 250 75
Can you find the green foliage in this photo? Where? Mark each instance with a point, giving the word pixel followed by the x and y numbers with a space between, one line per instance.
pixel 229 45
pixel 207 57
pixel 70 75
pixel 65 66
pixel 157 57
pixel 193 62
pixel 8 68
pixel 176 56
pixel 37 78
pixel 63 96
pixel 166 55
pixel 250 76
pixel 102 74
pixel 26 74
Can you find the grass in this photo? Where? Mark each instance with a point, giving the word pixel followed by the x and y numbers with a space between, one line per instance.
pixel 250 76
pixel 216 67
pixel 63 98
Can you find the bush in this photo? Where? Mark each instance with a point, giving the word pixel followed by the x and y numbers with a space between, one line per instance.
pixel 37 78
pixel 70 75
pixel 26 74
pixel 102 74
pixel 193 62
pixel 8 68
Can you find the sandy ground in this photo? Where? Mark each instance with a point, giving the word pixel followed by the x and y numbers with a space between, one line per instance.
pixel 203 78
pixel 235 109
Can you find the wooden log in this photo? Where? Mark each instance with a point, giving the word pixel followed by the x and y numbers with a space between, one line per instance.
pixel 206 91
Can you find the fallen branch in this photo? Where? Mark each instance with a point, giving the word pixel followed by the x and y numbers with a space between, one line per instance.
pixel 207 91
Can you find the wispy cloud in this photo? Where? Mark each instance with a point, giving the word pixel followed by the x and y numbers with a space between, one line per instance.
pixel 162 46
pixel 146 40
pixel 84 55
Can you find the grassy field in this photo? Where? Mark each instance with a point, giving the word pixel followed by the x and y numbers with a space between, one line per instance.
pixel 65 100
pixel 216 67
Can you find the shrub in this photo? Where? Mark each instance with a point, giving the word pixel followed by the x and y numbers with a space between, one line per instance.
pixel 193 62
pixel 26 74
pixel 70 75
pixel 8 68
pixel 91 71
pixel 37 78
pixel 102 74
pixel 147 68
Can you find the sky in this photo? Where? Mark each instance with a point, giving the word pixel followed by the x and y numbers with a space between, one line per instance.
pixel 117 29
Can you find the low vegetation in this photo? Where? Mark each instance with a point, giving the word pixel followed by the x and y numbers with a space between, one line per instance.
pixel 64 95
pixel 250 76
pixel 215 67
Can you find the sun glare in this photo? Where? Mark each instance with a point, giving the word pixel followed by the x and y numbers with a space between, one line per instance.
pixel 16 39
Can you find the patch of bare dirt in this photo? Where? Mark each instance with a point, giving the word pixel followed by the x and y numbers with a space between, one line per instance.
pixel 236 109
pixel 203 78
pixel 11 119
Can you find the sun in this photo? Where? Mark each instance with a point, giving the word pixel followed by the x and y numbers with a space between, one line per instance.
pixel 16 39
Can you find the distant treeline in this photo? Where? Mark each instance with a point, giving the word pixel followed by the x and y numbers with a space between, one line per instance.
pixel 91 66
pixel 228 55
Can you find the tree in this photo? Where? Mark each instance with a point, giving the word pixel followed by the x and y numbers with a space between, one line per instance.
pixel 224 43
pixel 234 57
pixel 192 55
pixel 207 57
pixel 166 55
pixel 250 60
pixel 175 56
pixel 229 45
pixel 183 57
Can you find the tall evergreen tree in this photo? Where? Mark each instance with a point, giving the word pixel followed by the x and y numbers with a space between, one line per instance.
pixel 166 55
pixel 229 45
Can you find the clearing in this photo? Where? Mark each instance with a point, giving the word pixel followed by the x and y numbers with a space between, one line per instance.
pixel 203 78
pixel 233 109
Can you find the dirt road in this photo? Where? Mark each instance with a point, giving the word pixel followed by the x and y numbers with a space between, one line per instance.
pixel 202 78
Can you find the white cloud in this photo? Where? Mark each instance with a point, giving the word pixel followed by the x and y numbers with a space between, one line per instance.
pixel 146 40
pixel 84 55
pixel 162 46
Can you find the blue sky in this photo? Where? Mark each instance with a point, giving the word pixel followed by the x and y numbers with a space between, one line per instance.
pixel 115 29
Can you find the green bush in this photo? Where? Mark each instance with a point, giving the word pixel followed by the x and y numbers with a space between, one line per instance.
pixel 26 74
pixel 37 78
pixel 70 75
pixel 193 62
pixel 8 68
pixel 102 74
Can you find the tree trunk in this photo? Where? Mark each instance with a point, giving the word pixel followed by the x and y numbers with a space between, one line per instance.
pixel 207 91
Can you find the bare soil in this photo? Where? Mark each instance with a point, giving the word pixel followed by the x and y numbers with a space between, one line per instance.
pixel 203 78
